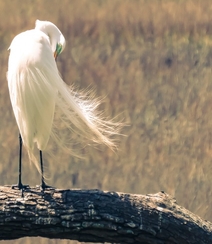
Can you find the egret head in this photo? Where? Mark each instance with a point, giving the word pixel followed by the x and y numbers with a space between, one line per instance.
pixel 56 38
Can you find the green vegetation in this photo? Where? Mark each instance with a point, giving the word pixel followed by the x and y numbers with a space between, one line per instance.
pixel 151 62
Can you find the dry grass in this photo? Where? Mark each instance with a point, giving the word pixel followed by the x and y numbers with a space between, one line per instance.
pixel 152 61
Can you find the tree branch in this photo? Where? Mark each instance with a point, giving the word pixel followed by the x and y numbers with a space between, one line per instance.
pixel 99 216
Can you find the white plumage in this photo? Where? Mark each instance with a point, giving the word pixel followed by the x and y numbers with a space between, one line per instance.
pixel 36 87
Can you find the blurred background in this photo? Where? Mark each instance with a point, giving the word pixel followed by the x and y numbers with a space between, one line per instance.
pixel 151 62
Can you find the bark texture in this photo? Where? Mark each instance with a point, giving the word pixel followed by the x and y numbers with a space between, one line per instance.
pixel 99 216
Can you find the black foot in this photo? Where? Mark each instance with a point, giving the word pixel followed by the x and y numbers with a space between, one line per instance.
pixel 21 187
pixel 44 186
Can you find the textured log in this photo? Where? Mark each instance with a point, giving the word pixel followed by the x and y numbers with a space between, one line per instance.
pixel 99 216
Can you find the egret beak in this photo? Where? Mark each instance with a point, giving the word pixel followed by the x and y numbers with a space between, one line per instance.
pixel 55 55
pixel 58 50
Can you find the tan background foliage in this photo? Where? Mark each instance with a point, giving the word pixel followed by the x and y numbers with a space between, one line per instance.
pixel 151 61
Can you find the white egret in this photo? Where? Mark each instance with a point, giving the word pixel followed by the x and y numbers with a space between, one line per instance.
pixel 36 87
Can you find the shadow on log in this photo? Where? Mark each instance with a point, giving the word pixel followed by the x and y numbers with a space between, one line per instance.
pixel 99 216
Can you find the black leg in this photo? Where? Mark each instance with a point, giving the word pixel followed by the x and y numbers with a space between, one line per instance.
pixel 43 184
pixel 20 186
